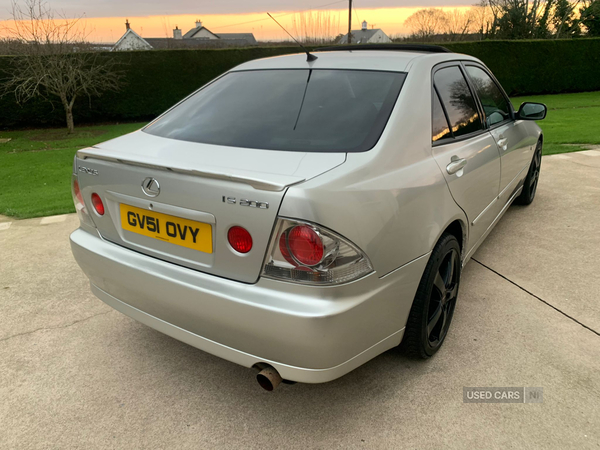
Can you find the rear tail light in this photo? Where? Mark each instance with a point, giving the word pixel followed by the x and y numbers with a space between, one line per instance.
pixel 97 203
pixel 240 240
pixel 306 253
pixel 77 197
pixel 80 208
pixel 77 194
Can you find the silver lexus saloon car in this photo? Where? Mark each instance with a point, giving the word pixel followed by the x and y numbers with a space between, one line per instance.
pixel 303 215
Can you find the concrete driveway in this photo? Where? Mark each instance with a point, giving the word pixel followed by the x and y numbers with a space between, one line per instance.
pixel 76 374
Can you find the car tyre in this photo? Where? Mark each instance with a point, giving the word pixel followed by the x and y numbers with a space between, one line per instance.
pixel 434 303
pixel 533 176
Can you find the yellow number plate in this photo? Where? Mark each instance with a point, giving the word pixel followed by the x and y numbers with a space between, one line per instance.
pixel 175 230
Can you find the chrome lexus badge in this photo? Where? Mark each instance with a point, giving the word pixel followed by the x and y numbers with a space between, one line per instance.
pixel 150 187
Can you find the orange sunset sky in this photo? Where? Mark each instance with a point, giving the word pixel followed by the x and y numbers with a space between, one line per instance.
pixel 108 28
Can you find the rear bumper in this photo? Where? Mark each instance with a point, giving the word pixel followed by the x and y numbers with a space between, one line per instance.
pixel 308 334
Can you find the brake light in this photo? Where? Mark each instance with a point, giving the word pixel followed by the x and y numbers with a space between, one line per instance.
pixel 240 239
pixel 306 253
pixel 98 205
pixel 303 245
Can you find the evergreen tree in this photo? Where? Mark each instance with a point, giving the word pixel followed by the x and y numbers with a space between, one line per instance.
pixel 590 18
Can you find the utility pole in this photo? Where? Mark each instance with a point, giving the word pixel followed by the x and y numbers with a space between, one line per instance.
pixel 350 22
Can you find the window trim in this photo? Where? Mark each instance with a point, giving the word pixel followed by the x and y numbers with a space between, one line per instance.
pixel 511 111
pixel 464 137
pixel 435 94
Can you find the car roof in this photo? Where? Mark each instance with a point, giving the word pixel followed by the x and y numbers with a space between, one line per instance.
pixel 396 61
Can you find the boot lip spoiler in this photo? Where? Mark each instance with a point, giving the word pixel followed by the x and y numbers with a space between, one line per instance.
pixel 274 183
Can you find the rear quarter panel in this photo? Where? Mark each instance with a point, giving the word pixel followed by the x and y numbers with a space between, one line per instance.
pixel 391 201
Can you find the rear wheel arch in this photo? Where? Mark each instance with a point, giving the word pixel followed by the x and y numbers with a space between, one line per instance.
pixel 458 229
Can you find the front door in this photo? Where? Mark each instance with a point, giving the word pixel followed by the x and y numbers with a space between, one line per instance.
pixel 512 139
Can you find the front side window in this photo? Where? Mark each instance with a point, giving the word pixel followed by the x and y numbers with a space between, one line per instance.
pixel 295 110
pixel 495 105
pixel 458 101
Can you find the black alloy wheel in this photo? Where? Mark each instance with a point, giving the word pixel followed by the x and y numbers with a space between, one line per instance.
pixel 432 310
pixel 442 299
pixel 531 181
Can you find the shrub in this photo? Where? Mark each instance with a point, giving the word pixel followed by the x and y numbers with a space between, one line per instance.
pixel 155 80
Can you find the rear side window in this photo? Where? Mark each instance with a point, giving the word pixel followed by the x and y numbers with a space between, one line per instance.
pixel 296 110
pixel 441 128
pixel 458 101
pixel 495 105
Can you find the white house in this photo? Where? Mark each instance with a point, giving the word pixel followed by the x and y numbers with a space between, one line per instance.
pixel 366 36
pixel 199 36
pixel 131 40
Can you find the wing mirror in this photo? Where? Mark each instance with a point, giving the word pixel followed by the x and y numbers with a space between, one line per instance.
pixel 532 111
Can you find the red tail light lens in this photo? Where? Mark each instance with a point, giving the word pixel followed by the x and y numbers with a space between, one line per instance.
pixel 305 245
pixel 240 240
pixel 98 205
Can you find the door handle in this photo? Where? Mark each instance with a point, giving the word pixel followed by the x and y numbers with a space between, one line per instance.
pixel 503 144
pixel 456 165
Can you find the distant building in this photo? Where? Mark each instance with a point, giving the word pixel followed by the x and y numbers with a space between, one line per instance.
pixel 366 36
pixel 197 37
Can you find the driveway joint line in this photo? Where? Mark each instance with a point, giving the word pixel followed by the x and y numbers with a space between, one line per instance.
pixel 539 298
pixel 54 328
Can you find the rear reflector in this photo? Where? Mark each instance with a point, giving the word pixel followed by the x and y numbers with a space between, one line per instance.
pixel 240 240
pixel 98 205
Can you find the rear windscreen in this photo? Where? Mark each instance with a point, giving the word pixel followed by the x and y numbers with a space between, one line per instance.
pixel 298 110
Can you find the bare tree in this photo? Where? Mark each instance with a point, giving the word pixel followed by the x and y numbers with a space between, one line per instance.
pixel 315 27
pixel 54 60
pixel 426 23
pixel 459 23
pixel 483 18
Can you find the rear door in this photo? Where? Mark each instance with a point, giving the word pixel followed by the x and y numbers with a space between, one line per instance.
pixel 464 150
pixel 512 140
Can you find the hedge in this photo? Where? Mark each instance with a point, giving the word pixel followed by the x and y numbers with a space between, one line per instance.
pixel 152 82
pixel 540 66
pixel 155 80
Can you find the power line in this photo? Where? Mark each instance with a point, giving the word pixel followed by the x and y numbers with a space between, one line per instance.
pixel 281 15
pixel 356 14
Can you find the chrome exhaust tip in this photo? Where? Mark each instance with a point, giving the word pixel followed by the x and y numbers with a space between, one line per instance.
pixel 268 378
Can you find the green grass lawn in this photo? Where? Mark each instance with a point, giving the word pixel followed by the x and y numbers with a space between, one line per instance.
pixel 35 165
pixel 572 119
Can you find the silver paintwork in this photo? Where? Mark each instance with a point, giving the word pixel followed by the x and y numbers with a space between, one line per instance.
pixel 393 202
pixel 302 331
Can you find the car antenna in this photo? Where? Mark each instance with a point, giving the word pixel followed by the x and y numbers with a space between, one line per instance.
pixel 309 56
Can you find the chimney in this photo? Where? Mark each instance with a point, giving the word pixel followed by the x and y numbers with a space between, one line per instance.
pixel 198 23
pixel 127 27
pixel 364 25
pixel 177 33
